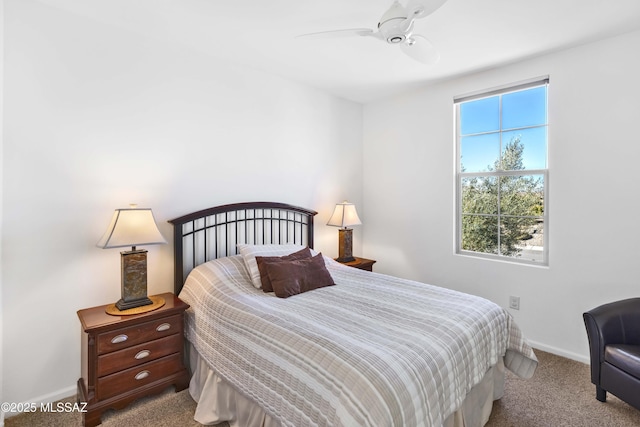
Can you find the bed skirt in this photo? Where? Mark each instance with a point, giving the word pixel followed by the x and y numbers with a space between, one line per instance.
pixel 217 401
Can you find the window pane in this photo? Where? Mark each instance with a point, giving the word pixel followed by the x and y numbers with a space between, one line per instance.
pixel 480 233
pixel 532 142
pixel 502 146
pixel 479 153
pixel 522 238
pixel 524 108
pixel 480 195
pixel 522 195
pixel 479 116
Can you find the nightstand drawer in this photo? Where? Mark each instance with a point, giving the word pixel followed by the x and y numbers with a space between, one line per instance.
pixel 138 376
pixel 138 354
pixel 136 334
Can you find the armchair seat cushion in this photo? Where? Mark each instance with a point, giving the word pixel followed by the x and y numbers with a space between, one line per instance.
pixel 624 357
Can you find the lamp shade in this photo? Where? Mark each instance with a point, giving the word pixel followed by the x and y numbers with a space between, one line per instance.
pixel 344 215
pixel 131 227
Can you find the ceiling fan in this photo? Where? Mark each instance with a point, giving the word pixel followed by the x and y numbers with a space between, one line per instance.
pixel 396 28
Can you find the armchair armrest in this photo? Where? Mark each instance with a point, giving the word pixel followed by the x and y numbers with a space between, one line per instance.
pixel 614 323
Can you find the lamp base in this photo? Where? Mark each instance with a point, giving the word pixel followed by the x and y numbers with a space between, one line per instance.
pixel 157 301
pixel 134 280
pixel 345 244
pixel 126 305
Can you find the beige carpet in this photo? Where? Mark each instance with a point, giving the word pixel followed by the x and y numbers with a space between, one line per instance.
pixel 559 394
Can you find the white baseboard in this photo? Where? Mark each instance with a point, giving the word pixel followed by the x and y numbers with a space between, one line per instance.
pixel 559 352
pixel 47 398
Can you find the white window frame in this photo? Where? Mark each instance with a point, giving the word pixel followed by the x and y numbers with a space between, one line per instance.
pixel 459 176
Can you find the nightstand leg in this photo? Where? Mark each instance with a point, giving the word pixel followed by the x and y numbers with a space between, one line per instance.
pixel 91 418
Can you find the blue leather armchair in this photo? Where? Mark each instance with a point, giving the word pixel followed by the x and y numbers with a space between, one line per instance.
pixel 614 342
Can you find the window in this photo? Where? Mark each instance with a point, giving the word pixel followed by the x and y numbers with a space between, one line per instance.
pixel 502 178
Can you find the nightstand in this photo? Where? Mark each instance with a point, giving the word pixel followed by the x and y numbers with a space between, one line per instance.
pixel 128 357
pixel 361 263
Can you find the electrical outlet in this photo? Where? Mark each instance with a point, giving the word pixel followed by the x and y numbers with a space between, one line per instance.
pixel 514 303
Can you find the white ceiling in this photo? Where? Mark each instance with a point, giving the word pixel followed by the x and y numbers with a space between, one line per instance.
pixel 471 35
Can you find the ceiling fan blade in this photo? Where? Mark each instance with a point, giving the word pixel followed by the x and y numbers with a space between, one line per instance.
pixel 421 8
pixel 420 49
pixel 340 33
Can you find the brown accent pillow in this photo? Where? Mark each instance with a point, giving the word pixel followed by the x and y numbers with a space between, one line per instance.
pixel 263 260
pixel 295 277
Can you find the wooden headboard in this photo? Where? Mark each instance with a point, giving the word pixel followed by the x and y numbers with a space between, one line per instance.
pixel 214 233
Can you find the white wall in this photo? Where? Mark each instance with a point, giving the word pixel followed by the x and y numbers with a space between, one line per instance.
pixel 95 118
pixel 593 201
pixel 1 176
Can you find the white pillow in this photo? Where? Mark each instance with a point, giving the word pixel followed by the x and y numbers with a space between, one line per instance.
pixel 249 253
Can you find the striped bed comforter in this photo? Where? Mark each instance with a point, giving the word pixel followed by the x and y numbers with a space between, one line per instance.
pixel 373 350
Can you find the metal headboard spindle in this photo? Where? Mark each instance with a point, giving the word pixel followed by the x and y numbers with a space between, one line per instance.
pixel 215 232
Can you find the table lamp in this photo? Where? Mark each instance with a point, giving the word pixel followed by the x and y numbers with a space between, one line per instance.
pixel 132 227
pixel 344 216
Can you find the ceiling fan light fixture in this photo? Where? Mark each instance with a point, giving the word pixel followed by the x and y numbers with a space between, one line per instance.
pixel 397 30
pixel 396 27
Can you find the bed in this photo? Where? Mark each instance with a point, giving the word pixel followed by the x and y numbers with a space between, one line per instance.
pixel 364 349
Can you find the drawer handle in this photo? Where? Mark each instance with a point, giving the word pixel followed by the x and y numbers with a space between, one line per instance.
pixel 119 338
pixel 142 375
pixel 142 354
pixel 163 327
